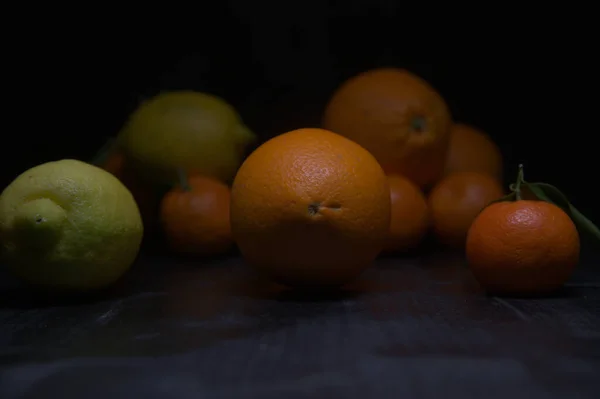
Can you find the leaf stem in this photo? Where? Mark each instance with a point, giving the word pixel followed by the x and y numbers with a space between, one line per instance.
pixel 183 179
pixel 520 179
pixel 104 152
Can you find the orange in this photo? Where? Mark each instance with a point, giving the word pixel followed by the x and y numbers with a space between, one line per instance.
pixel 455 202
pixel 144 195
pixel 471 150
pixel 398 117
pixel 410 217
pixel 310 207
pixel 195 217
pixel 522 247
pixel 114 164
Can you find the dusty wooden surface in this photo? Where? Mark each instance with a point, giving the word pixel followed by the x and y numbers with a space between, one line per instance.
pixel 410 328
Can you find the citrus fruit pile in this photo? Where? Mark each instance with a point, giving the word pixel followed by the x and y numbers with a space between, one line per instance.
pixel 387 171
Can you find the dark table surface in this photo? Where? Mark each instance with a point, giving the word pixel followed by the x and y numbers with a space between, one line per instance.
pixel 415 327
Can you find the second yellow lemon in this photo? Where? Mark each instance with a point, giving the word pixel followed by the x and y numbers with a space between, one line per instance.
pixel 198 132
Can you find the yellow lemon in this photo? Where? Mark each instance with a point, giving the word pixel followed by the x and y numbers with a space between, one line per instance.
pixel 68 225
pixel 196 132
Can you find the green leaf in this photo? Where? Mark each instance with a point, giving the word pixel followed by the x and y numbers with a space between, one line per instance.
pixel 183 179
pixel 584 223
pixel 104 152
pixel 549 193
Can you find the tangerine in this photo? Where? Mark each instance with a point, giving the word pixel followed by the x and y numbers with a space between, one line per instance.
pixel 522 247
pixel 195 217
pixel 410 215
pixel 455 201
pixel 472 150
pixel 145 196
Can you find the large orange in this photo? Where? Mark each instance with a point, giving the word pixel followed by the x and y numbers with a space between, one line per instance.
pixel 471 150
pixel 310 207
pixel 455 202
pixel 410 216
pixel 398 117
pixel 522 247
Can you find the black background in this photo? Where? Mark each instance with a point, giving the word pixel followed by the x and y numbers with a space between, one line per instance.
pixel 529 83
